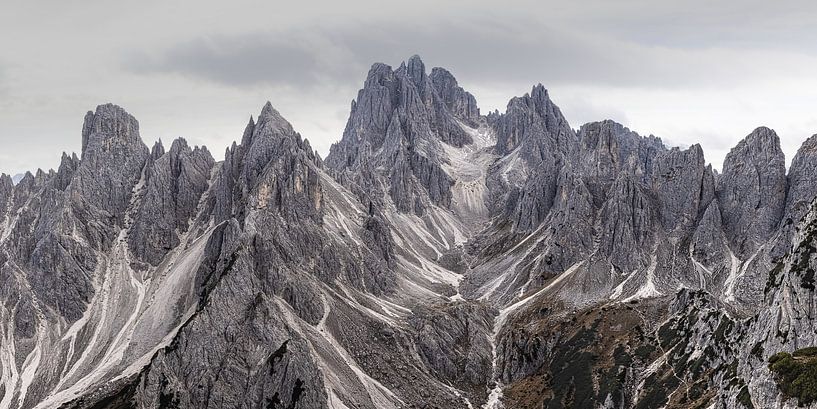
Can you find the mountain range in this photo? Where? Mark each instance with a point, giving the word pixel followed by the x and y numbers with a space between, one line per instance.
pixel 438 257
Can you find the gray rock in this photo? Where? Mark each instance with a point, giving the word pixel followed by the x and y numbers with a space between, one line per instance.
pixel 535 126
pixel 608 148
pixel 683 185
pixel 709 244
pixel 457 101
pixel 801 179
pixel 594 268
pixel 175 181
pixel 752 190
pixel 113 156
pixel 6 191
pixel 394 135
pixel 451 341
pixel 628 228
pixel 535 122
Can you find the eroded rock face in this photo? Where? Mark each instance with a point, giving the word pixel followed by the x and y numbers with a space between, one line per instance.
pixel 799 196
pixel 629 223
pixel 801 178
pixel 257 360
pixel 535 122
pixel 174 184
pixel 534 130
pixel 113 156
pixel 451 340
pixel 684 186
pixel 609 148
pixel 709 244
pixel 6 191
pixel 460 103
pixel 436 258
pixel 752 190
pixel 393 142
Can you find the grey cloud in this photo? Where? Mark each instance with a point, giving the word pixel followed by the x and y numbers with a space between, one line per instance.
pixel 524 50
pixel 702 23
pixel 305 57
pixel 3 78
pixel 240 61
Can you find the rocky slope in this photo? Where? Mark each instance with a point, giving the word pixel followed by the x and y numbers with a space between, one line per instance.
pixel 436 258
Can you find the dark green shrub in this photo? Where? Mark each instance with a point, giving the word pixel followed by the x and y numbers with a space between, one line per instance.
pixel 809 351
pixel 796 374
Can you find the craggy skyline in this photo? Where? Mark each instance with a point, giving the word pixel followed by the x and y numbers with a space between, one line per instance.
pixel 690 73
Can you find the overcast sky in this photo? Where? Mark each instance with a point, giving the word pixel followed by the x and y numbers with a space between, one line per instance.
pixel 690 72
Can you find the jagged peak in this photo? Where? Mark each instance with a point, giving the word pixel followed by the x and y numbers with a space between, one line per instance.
pixel 202 149
pixel 613 128
pixel 246 137
pixel 676 156
pixel 761 145
pixel 808 146
pixel 713 212
pixel 539 92
pixel 270 117
pixel 377 74
pixel 179 147
pixel 415 60
pixel 801 189
pixel 533 111
pixel 760 137
pixel 109 121
pixel 66 160
pixel 763 131
pixel 157 150
pixel 538 100
pixel 415 70
pixel 6 181
pixel 270 123
pixel 260 137
pixel 68 165
pixel 458 101
pixel 87 128
pixel 696 149
pixel 440 72
pixel 412 69
pixel 28 177
pixel 179 144
pixel 306 145
pixel 607 124
pixel 65 157
pixel 608 137
pixel 267 110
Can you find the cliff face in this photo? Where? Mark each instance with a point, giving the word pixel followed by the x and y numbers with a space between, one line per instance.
pixel 437 257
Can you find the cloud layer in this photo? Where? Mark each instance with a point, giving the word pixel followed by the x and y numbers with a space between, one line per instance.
pixel 492 52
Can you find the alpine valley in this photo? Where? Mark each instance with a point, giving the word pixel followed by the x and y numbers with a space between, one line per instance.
pixel 436 258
